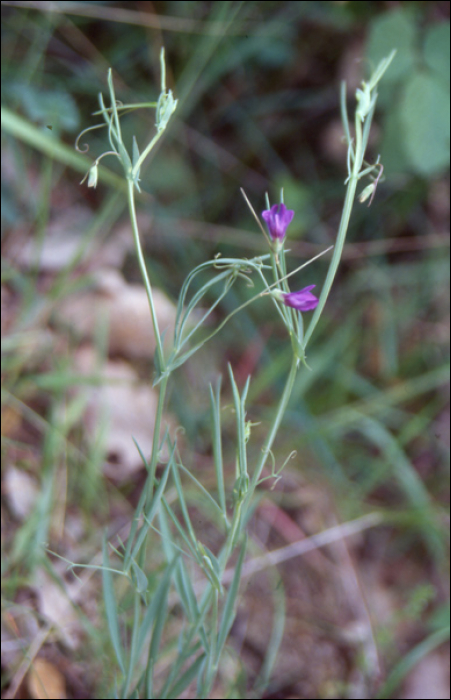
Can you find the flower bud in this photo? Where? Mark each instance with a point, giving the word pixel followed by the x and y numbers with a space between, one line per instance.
pixel 277 219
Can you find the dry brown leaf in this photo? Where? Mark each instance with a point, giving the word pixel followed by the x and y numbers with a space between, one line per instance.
pixel 429 679
pixel 21 490
pixel 126 309
pixel 124 408
pixel 46 681
pixel 55 604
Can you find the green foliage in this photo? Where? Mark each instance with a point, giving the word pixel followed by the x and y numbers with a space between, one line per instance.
pixel 418 97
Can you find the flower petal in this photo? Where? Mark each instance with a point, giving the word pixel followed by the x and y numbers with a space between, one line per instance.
pixel 277 219
pixel 303 300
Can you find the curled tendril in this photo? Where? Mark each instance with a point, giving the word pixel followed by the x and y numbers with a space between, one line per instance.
pixel 376 181
pixel 276 474
pixel 85 148
pixel 237 273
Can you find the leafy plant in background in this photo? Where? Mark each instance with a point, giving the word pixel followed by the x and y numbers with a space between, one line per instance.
pixel 209 614
pixel 417 125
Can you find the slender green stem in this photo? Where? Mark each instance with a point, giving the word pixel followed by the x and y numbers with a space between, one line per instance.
pixel 342 230
pixel 145 153
pixel 283 403
pixel 145 276
pixel 159 348
pixel 156 435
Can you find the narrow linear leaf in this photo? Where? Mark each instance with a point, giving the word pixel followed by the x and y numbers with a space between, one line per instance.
pixel 111 608
pixel 228 614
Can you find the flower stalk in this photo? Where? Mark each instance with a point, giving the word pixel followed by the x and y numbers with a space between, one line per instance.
pixel 363 117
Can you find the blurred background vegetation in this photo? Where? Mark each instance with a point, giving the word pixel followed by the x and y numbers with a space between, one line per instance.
pixel 258 85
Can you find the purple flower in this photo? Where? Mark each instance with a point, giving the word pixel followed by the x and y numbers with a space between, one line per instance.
pixel 303 300
pixel 277 219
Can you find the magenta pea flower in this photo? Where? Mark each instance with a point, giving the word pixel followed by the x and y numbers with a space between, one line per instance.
pixel 277 219
pixel 303 300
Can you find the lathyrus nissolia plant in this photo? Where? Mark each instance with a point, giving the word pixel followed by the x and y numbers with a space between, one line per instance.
pixel 208 614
